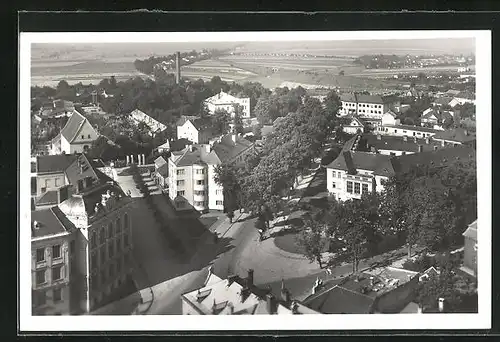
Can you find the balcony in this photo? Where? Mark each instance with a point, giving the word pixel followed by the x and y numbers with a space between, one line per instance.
pixel 198 187
pixel 199 197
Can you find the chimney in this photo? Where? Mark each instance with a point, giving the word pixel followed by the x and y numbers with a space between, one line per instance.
pixel 208 148
pixel 379 137
pixel 435 148
pixel 372 281
pixel 442 143
pixel 231 308
pixel 233 137
pixel 62 194
pixel 285 294
pixel 190 148
pixel 427 140
pixel 441 304
pixel 250 278
pixel 419 309
pixel 178 67
pixel 270 303
pixel 405 138
pixel 420 148
pixel 466 132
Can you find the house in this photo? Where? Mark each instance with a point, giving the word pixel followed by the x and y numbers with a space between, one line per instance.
pixel 367 106
pixel 191 172
pixel 389 118
pixel 435 116
pixel 76 136
pixel 399 130
pixel 470 249
pixel 396 146
pixel 50 171
pixel 161 172
pixel 172 145
pixel 154 126
pixel 238 296
pixel 353 173
pixel 195 129
pixel 464 97
pixel 456 136
pixel 386 290
pixel 445 101
pixel 355 126
pixel 52 255
pixel 225 101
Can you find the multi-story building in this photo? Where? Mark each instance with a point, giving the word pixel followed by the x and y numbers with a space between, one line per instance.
pixel 195 129
pixel 101 217
pixel 75 137
pixel 191 172
pixel 369 107
pixel 50 172
pixel 224 101
pixel 154 125
pixel 354 173
pixel 52 250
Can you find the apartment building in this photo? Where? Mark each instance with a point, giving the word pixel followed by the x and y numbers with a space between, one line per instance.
pixel 354 173
pixel 227 102
pixel 52 250
pixel 192 170
pixel 370 107
pixel 75 137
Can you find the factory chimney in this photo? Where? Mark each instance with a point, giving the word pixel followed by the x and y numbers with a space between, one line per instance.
pixel 178 67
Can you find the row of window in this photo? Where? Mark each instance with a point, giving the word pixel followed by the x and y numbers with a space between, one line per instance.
pixel 200 192
pixel 351 104
pixel 56 272
pixel 88 136
pixel 357 187
pixel 113 269
pixel 40 297
pixel 112 250
pixel 49 185
pixel 181 182
pixel 337 174
pixel 218 192
pixel 111 231
pixel 371 111
pixel 56 253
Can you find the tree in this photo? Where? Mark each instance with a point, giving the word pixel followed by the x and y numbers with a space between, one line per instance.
pixel 220 121
pixel 230 215
pixel 225 175
pixel 238 121
pixel 312 237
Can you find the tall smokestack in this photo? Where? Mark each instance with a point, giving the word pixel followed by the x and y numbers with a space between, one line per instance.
pixel 178 67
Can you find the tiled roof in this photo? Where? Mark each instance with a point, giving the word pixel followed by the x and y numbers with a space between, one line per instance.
pixel 391 113
pixel 202 123
pixel 184 118
pixel 70 130
pixel 163 170
pixel 82 168
pixel 348 97
pixel 413 128
pixel 398 144
pixel 160 161
pixel 443 100
pixel 457 134
pixel 179 144
pixel 351 161
pixel 55 163
pixel 47 198
pixel 338 300
pixel 190 155
pixel 51 222
pixel 227 149
pixel 370 98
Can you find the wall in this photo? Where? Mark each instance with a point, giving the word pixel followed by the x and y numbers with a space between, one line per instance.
pixel 188 309
pixel 195 198
pixel 371 110
pixel 394 301
pixel 348 108
pixel 52 178
pixel 47 289
pixel 469 254
pixel 394 152
pixel 213 195
pixel 89 135
pixel 399 132
pixel 188 131
pixel 340 189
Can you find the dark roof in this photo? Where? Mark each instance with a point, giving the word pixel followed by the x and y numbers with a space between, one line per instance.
pixel 55 163
pixel 52 221
pixel 47 198
pixel 439 158
pixel 163 170
pixel 82 168
pixel 353 160
pixel 184 118
pixel 465 95
pixel 202 123
pixel 227 149
pixel 338 300
pixel 413 128
pixel 471 231
pixel 457 134
pixel 348 97
pixel 398 144
pixel 190 155
pixel 179 144
pixel 443 100
pixel 70 130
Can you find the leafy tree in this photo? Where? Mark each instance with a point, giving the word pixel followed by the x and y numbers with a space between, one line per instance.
pixel 225 175
pixel 312 238
pixel 220 121
pixel 238 120
pixel 257 131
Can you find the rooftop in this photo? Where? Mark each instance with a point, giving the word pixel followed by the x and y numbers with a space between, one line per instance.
pixel 70 130
pixel 458 134
pixel 340 300
pixel 47 198
pixel 54 163
pixel 413 128
pixel 471 231
pixel 50 221
pixel 386 142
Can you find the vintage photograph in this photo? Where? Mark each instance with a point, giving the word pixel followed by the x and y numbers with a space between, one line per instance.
pixel 258 176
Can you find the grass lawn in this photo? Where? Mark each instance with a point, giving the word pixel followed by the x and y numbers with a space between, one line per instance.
pixel 288 243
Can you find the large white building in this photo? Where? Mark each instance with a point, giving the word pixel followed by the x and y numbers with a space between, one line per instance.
pixel 154 125
pixel 191 172
pixel 195 129
pixel 367 106
pixel 224 101
pixel 75 137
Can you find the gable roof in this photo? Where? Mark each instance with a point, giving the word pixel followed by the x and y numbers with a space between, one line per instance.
pixel 353 160
pixel 47 198
pixel 355 119
pixel 456 134
pixel 82 168
pixel 52 221
pixel 471 231
pixel 184 118
pixel 160 161
pixel 338 300
pixel 391 113
pixel 227 149
pixel 348 97
pixel 72 127
pixel 54 163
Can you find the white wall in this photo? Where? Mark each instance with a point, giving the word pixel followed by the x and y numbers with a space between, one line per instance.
pixel 213 194
pixel 188 131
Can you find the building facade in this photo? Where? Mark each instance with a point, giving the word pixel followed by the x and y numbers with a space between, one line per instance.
pixel 196 130
pixel 154 125
pixel 367 106
pixel 227 102
pixel 75 137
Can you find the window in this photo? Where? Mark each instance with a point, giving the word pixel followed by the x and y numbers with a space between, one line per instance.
pixel 357 189
pixel 180 172
pixel 56 295
pixel 218 192
pixel 125 221
pixel 83 136
pixel 93 260
pixel 404 131
pixel 334 174
pixel 333 184
pixel 365 188
pixel 395 131
pixel 88 136
pixel 40 254
pixel 40 277
pixel 56 251
pixel 118 225
pixel 102 235
pixel 180 182
pixel 103 255
pixel 125 240
pixel 118 245
pixel 103 277
pixel 56 182
pixel 180 204
pixel 349 187
pixel 413 133
pixel 111 250
pixel 200 192
pixel 56 273
pixel 392 153
pixel 110 230
pixel 200 171
pixel 43 190
pixel 200 182
pixel 181 193
pixel 218 202
pixel 199 204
